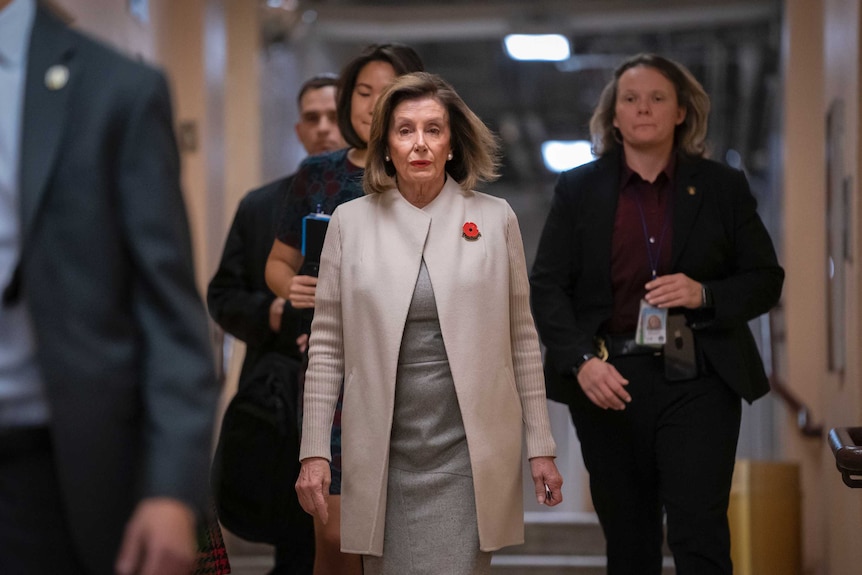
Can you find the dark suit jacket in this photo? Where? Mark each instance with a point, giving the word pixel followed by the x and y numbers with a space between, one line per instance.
pixel 238 297
pixel 718 239
pixel 106 272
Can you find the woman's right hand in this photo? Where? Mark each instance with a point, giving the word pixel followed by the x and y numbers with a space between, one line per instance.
pixel 603 384
pixel 312 487
pixel 281 267
pixel 302 342
pixel 302 290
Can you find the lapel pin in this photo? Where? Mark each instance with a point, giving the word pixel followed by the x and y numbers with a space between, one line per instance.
pixel 691 191
pixel 56 77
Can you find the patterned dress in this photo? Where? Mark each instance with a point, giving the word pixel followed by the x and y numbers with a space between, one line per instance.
pixel 321 184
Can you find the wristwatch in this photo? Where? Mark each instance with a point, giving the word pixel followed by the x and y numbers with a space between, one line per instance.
pixel 705 296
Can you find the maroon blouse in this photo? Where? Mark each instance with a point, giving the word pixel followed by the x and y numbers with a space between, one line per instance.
pixel 643 234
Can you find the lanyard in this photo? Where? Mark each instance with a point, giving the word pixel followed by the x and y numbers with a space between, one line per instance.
pixel 653 256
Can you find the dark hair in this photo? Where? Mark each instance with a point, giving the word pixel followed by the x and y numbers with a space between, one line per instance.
pixel 475 149
pixel 402 58
pixel 689 136
pixel 316 83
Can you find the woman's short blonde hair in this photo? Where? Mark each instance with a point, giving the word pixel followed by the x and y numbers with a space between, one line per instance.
pixel 475 149
pixel 689 137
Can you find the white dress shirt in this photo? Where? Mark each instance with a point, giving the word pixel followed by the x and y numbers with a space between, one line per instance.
pixel 22 396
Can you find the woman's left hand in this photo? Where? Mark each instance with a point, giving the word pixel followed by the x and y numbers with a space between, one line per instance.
pixel 547 479
pixel 312 487
pixel 675 290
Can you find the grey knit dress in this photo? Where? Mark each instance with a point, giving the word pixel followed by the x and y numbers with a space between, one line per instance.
pixel 430 508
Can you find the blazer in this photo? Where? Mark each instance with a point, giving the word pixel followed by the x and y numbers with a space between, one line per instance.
pixel 238 298
pixel 718 239
pixel 106 273
pixel 370 262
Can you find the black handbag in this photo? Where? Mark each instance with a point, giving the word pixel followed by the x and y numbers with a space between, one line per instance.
pixel 256 462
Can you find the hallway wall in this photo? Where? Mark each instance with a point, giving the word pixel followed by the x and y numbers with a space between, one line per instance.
pixel 841 394
pixel 203 46
pixel 822 57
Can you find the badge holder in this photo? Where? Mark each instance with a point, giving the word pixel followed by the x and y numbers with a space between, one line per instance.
pixel 680 359
pixel 651 326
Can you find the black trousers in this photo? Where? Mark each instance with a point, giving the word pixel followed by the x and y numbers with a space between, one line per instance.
pixel 34 535
pixel 296 556
pixel 672 449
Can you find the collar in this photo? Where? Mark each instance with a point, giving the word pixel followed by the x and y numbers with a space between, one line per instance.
pixel 440 205
pixel 16 22
pixel 626 173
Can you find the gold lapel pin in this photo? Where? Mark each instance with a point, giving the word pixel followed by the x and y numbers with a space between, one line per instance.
pixel 56 77
pixel 691 191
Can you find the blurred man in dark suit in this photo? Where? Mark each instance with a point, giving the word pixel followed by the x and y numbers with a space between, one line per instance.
pixel 107 390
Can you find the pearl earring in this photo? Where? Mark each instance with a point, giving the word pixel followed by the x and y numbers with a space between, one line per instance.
pixel 449 157
pixel 386 158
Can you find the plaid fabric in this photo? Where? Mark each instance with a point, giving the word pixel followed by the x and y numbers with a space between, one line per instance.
pixel 212 555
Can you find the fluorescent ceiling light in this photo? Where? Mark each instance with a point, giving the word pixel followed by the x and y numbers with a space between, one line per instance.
pixel 560 156
pixel 544 47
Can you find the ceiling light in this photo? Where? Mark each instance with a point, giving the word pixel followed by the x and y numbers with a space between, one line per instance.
pixel 542 47
pixel 560 156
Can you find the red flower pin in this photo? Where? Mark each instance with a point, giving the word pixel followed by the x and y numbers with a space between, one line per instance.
pixel 470 231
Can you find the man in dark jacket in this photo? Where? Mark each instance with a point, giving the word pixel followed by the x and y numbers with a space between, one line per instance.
pixel 238 298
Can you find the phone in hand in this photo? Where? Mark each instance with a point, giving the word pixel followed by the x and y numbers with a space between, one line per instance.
pixel 313 233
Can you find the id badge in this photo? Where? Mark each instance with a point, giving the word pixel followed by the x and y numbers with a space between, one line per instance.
pixel 652 325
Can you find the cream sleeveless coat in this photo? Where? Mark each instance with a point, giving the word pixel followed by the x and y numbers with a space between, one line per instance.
pixel 368 271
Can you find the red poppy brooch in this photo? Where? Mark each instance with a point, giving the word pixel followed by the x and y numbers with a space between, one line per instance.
pixel 470 231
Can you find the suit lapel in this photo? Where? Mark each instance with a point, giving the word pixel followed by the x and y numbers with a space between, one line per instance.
pixel 44 112
pixel 598 214
pixel 687 200
pixel 605 196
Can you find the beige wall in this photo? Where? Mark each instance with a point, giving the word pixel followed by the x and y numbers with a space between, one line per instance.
pixel 203 46
pixel 821 55
pixel 179 32
pixel 804 294
pixel 841 393
pixel 242 103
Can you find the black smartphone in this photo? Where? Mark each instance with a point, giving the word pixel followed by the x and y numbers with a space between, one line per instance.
pixel 313 233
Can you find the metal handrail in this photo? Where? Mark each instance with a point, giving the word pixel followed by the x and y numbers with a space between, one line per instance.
pixel 845 443
pixel 803 413
pixel 804 417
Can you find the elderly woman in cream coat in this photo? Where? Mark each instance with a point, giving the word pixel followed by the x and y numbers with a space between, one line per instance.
pixel 423 311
